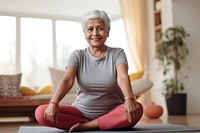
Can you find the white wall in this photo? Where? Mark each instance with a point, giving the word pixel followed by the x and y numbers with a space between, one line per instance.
pixel 187 14
pixel 155 76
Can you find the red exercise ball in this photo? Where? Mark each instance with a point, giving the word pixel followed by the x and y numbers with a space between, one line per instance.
pixel 153 111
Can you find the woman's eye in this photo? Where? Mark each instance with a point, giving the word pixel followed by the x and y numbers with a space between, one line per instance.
pixel 90 29
pixel 100 29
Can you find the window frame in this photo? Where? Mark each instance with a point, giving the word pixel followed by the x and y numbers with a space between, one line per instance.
pixel 54 47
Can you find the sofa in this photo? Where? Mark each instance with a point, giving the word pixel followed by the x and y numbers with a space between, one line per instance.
pixel 26 105
pixel 17 100
pixel 20 107
pixel 139 83
pixel 12 100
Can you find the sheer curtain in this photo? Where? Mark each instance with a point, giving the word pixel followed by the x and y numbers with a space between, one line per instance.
pixel 133 13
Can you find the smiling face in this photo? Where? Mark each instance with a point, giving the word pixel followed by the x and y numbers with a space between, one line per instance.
pixel 96 32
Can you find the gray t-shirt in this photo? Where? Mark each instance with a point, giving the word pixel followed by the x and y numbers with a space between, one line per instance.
pixel 98 91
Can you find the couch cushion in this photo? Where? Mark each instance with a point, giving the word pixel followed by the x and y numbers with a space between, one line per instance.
pixel 56 76
pixel 45 89
pixel 27 90
pixel 140 86
pixel 10 86
pixel 30 91
pixel 136 75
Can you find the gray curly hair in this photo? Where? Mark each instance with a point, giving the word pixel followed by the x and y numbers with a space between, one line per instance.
pixel 96 14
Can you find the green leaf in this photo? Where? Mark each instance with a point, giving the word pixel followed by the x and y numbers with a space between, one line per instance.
pixel 171 52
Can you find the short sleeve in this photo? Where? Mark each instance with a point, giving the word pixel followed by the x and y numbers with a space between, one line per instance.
pixel 120 57
pixel 74 59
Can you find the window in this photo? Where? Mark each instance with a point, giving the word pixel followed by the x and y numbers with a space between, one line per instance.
pixel 36 46
pixel 69 37
pixel 7 45
pixel 117 38
pixel 36 51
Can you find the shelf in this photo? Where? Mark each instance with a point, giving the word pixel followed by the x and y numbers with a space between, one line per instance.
pixel 157 20
pixel 157 11
pixel 158 27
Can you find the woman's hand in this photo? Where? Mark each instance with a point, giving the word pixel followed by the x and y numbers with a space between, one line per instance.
pixel 132 109
pixel 51 113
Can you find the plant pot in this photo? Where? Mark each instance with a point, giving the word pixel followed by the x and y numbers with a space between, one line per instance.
pixel 177 104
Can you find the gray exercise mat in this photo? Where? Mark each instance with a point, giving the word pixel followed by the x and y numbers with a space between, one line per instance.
pixel 140 128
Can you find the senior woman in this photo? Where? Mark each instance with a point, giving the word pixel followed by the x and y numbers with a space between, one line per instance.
pixel 105 100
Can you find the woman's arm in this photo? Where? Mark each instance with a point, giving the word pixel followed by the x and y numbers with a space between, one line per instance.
pixel 124 81
pixel 130 104
pixel 65 85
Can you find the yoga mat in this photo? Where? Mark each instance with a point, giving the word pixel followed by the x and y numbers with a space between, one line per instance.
pixel 140 128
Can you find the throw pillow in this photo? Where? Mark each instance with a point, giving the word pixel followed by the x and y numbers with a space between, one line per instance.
pixel 27 91
pixel 30 91
pixel 140 86
pixel 10 86
pixel 46 89
pixel 136 75
pixel 56 76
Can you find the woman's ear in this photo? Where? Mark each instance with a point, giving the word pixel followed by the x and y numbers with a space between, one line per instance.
pixel 108 32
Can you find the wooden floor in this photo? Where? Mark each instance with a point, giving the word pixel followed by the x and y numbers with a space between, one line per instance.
pixel 189 120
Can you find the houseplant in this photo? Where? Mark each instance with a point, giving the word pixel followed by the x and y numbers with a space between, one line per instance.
pixel 171 52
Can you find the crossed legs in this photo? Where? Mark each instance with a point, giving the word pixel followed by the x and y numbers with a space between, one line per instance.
pixel 70 118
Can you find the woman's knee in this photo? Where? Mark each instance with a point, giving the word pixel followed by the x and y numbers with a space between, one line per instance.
pixel 138 114
pixel 39 113
pixel 121 120
pixel 140 109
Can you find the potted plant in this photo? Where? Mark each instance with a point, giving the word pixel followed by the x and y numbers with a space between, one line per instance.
pixel 171 52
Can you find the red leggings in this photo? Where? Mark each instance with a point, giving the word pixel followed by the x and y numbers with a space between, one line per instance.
pixel 69 115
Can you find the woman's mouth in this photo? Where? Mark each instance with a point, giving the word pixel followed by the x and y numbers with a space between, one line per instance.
pixel 96 39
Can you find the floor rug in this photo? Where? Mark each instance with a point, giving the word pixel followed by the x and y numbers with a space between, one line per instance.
pixel 140 128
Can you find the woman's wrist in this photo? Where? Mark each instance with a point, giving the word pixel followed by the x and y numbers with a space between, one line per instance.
pixel 51 102
pixel 129 98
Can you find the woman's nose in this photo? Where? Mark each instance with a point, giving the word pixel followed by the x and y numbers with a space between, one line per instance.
pixel 95 32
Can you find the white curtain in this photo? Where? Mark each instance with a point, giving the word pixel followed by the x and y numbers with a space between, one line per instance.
pixel 133 13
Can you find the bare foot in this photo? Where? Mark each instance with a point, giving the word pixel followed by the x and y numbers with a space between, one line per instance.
pixel 78 127
pixel 90 125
